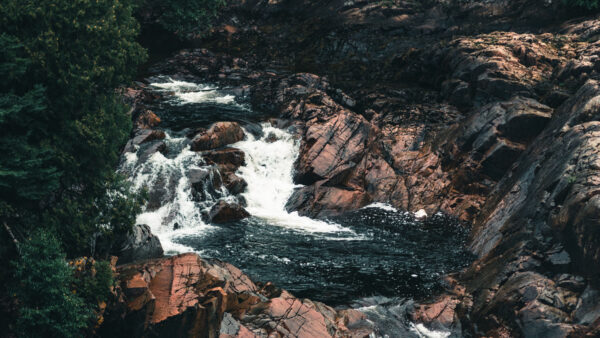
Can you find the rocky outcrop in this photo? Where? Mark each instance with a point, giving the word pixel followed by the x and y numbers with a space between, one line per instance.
pixel 538 252
pixel 218 135
pixel 224 212
pixel 186 296
pixel 140 244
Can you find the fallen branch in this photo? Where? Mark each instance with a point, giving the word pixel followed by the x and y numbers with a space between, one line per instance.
pixel 14 239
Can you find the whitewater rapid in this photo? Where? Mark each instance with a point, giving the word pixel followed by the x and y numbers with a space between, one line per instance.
pixel 269 174
pixel 268 171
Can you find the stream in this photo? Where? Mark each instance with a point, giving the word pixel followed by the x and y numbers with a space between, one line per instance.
pixel 377 259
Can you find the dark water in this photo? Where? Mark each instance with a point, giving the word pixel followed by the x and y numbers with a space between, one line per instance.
pixel 391 255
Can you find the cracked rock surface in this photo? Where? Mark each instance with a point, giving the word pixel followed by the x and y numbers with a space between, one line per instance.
pixel 187 296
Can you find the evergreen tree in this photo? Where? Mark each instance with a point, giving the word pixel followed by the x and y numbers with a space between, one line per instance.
pixel 61 123
pixel 43 279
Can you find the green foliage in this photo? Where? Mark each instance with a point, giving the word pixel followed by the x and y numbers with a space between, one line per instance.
pixel 61 123
pixel 47 306
pixel 185 17
pixel 587 4
pixel 25 170
pixel 94 284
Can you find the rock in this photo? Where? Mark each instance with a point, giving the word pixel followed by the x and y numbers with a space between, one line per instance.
pixel 321 201
pixel 186 296
pixel 499 158
pixel 537 221
pixel 218 135
pixel 332 148
pixel 440 315
pixel 141 244
pixel 143 136
pixel 205 182
pixel 224 212
pixel 147 120
pixel 234 184
pixel 229 159
pixel 146 152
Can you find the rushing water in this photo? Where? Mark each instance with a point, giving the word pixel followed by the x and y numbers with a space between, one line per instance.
pixel 374 259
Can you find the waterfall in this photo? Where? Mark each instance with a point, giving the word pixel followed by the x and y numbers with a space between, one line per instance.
pixel 268 172
pixel 167 179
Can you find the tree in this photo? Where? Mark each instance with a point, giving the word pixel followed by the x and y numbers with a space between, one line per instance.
pixel 61 123
pixel 43 279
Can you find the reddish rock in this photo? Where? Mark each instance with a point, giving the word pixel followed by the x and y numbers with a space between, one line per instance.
pixel 186 296
pixel 218 135
pixel 229 159
pixel 224 212
pixel 147 120
pixel 440 315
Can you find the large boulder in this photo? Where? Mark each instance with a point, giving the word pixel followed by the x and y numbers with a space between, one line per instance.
pixel 224 212
pixel 218 135
pixel 186 296
pixel 140 244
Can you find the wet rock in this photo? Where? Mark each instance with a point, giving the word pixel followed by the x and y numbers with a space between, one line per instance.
pixel 271 138
pixel 146 152
pixel 234 184
pixel 143 136
pixel 224 212
pixel 146 119
pixel 205 182
pixel 185 296
pixel 218 135
pixel 229 159
pixel 323 201
pixel 140 244
pixel 440 315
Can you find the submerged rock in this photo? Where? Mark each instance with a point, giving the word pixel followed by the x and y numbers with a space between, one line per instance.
pixel 186 296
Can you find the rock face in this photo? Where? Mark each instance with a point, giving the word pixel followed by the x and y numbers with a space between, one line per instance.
pixel 186 296
pixel 551 191
pixel 218 135
pixel 139 245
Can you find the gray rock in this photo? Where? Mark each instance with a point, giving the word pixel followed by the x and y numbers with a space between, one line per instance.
pixel 139 244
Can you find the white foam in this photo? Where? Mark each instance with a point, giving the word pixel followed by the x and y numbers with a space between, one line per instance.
pixel 268 172
pixel 424 332
pixel 180 209
pixel 383 206
pixel 421 214
pixel 188 92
